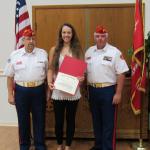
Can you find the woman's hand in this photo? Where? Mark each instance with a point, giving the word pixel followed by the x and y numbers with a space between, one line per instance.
pixel 81 79
pixel 51 86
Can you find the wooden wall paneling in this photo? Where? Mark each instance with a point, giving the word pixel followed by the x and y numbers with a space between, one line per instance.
pixel 119 22
pixel 49 20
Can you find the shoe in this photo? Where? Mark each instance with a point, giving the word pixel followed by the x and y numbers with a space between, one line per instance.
pixel 60 147
pixel 67 147
pixel 93 148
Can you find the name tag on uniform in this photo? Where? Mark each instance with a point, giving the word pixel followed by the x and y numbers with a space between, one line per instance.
pixel 8 60
pixel 107 58
pixel 19 62
pixel 40 61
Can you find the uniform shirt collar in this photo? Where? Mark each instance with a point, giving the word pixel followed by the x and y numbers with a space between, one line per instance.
pixel 102 50
pixel 24 51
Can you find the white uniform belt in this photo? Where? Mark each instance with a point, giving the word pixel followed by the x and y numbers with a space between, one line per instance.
pixel 30 83
pixel 100 85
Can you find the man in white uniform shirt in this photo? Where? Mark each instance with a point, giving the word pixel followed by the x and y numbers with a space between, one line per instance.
pixel 26 71
pixel 105 75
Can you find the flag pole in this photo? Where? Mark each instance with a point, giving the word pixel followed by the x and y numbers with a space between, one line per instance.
pixel 141 147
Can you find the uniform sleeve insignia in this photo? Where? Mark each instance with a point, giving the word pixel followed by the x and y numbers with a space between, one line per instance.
pixel 87 58
pixel 40 62
pixel 121 56
pixel 107 58
pixel 18 62
pixel 9 60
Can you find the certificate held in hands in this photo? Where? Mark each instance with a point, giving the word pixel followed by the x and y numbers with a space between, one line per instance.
pixel 70 69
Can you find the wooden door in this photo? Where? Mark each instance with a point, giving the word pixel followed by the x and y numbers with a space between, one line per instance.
pixel 119 20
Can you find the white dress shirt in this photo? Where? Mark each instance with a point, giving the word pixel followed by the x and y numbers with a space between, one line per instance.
pixel 103 65
pixel 25 66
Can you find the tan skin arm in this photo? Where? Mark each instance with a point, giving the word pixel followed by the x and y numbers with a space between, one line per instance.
pixel 10 88
pixel 50 71
pixel 120 83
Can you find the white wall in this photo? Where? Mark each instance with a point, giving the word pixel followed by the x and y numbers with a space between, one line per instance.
pixel 7 17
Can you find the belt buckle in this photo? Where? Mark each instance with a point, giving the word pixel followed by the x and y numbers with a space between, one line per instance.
pixel 31 84
pixel 99 85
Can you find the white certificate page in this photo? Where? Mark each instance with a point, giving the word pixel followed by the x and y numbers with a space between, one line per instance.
pixel 66 83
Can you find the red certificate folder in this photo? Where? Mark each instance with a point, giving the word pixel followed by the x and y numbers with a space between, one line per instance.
pixel 73 66
pixel 70 69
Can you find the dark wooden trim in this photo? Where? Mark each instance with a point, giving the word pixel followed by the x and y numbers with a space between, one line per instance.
pixel 84 6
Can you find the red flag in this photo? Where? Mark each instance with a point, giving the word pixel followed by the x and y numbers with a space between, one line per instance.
pixel 138 61
pixel 22 21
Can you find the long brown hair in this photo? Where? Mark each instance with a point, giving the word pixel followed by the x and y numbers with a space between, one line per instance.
pixel 75 46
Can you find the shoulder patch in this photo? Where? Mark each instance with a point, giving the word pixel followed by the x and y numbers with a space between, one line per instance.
pixel 19 62
pixel 121 56
pixel 87 58
pixel 8 60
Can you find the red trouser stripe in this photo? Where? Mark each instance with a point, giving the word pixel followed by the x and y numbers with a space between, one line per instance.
pixel 114 132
